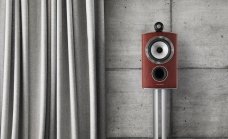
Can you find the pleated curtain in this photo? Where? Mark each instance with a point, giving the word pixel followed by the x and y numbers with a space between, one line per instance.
pixel 52 69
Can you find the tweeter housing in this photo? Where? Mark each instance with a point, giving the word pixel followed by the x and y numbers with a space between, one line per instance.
pixel 159 59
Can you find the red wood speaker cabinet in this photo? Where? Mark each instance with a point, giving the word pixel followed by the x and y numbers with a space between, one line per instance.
pixel 159 59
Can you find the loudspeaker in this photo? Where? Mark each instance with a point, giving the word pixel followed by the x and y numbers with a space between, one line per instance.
pixel 159 59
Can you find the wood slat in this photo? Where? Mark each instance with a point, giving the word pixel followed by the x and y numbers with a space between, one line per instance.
pixel 125 21
pixel 202 28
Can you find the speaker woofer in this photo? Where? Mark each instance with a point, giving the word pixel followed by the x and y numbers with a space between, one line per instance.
pixel 159 73
pixel 159 50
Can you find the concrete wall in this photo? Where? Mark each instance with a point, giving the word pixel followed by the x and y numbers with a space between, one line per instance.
pixel 200 105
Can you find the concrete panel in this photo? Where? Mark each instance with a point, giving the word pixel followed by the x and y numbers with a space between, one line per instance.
pixel 129 138
pixel 129 114
pixel 124 81
pixel 129 107
pixel 169 138
pixel 200 106
pixel 125 21
pixel 202 27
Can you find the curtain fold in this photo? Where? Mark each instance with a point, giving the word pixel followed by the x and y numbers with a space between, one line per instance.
pixel 25 68
pixel 100 56
pixel 90 17
pixel 52 123
pixel 5 120
pixel 43 68
pixel 59 63
pixel 53 71
pixel 72 75
pixel 17 68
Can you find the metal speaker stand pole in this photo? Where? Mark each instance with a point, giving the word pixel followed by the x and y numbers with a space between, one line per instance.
pixel 161 118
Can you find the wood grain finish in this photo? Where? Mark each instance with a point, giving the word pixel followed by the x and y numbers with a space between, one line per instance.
pixel 149 67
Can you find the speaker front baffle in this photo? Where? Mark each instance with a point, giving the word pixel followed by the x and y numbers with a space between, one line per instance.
pixel 159 72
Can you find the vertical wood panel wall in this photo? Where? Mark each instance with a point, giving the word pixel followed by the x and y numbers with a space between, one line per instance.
pixel 200 105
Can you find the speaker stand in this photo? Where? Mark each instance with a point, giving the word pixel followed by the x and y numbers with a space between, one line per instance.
pixel 161 114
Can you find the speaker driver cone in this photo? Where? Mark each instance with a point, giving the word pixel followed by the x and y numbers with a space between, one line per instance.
pixel 159 50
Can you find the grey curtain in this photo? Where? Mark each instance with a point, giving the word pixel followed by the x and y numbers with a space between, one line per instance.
pixel 52 69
